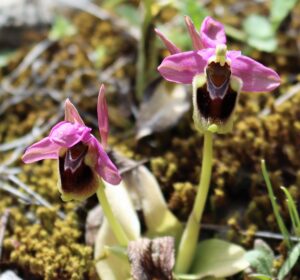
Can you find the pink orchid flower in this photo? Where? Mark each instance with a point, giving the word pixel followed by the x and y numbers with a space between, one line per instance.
pixel 217 75
pixel 82 160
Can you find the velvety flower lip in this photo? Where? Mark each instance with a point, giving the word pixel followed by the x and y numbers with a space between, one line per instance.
pixel 182 67
pixel 79 153
pixel 212 33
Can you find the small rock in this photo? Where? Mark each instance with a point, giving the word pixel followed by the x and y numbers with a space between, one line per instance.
pixel 9 275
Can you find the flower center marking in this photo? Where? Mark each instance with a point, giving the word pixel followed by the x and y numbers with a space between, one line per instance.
pixel 74 173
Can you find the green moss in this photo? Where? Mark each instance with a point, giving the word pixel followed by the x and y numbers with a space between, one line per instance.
pixel 181 200
pixel 39 241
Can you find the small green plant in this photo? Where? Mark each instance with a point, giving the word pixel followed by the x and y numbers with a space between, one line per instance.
pixel 61 28
pixel 263 38
pixel 275 206
pixel 292 208
pixel 262 258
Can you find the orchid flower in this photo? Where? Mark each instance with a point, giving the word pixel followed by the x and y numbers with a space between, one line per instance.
pixel 82 160
pixel 217 75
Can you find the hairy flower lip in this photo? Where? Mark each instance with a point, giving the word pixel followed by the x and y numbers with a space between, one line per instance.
pixel 218 78
pixel 216 99
pixel 76 178
pixel 215 104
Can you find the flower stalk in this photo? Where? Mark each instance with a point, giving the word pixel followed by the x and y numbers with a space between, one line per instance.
pixel 112 220
pixel 189 239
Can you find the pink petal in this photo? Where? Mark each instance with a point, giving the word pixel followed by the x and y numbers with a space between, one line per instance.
pixel 197 43
pixel 169 45
pixel 66 134
pixel 233 54
pixel 255 76
pixel 43 149
pixel 182 67
pixel 104 167
pixel 102 116
pixel 71 113
pixel 212 33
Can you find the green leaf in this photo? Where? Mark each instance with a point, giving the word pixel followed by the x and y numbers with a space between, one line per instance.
pixel 290 262
pixel 61 28
pixel 176 33
pixel 98 55
pixel 5 57
pixel 260 277
pixel 111 266
pixel 258 27
pixel 117 250
pixel 267 45
pixel 279 10
pixel 294 215
pixel 261 257
pixel 258 261
pixel 218 258
pixel 275 206
pixel 130 13
pixel 195 277
pixel 260 33
pixel 195 10
pixel 160 221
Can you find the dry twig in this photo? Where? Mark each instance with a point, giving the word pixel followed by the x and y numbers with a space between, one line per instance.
pixel 3 223
pixel 283 98
pixel 15 192
pixel 32 136
pixel 262 234
pixel 32 193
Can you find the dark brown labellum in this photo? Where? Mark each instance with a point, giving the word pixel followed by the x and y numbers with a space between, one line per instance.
pixel 75 176
pixel 216 99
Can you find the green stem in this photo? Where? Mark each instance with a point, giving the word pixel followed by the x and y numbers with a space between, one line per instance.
pixel 113 222
pixel 189 239
pixel 141 61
